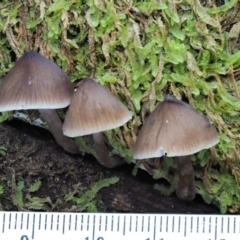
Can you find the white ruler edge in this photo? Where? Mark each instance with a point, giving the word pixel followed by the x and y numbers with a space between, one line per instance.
pixel 110 226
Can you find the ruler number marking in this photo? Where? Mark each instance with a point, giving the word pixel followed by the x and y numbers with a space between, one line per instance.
pixel 162 239
pixel 24 237
pixel 87 238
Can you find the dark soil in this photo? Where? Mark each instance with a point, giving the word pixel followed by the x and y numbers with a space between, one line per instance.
pixel 32 155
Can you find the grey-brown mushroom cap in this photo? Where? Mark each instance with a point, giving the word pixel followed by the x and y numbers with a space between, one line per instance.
pixel 35 83
pixel 174 128
pixel 94 109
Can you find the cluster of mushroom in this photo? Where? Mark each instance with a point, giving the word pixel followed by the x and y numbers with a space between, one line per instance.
pixel 174 128
pixel 37 83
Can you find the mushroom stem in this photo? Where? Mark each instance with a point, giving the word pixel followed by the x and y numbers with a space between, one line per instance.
pixel 186 186
pixel 55 125
pixel 103 154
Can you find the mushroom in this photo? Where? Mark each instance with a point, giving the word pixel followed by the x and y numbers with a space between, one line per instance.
pixel 177 130
pixel 92 110
pixel 37 83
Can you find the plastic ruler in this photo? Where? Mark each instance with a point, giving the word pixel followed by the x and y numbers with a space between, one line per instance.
pixel 107 226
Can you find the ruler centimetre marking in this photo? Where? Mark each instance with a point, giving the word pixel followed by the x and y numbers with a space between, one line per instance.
pixel 106 226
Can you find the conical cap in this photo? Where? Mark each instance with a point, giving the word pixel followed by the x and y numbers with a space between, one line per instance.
pixel 94 109
pixel 35 83
pixel 174 128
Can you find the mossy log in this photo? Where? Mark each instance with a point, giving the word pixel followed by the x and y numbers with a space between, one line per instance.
pixel 142 51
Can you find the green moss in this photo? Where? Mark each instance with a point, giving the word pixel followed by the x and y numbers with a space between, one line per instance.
pixel 142 51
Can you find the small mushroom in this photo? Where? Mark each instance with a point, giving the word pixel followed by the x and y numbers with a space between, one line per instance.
pixel 37 83
pixel 177 130
pixel 92 110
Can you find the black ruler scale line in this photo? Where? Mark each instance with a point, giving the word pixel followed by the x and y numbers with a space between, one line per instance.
pixel 179 224
pixel 216 222
pixel 228 224
pixel 118 223
pixel 88 223
pixel 112 223
pixel 148 223
pixel 185 227
pixel 45 227
pixel 52 222
pixel 204 225
pixel 3 226
pixel 173 220
pixel 209 229
pixel 124 224
pixel 22 220
pixel 39 222
pixel 222 225
pixel 69 222
pixel 33 226
pixel 100 223
pixel 27 220
pixel 15 226
pixel 57 222
pixel 63 226
pixel 234 225
pixel 197 224
pixel 106 223
pixel 130 224
pixel 136 227
pixel 161 224
pixel 82 223
pixel 10 218
pixel 93 233
pixel 154 228
pixel 76 222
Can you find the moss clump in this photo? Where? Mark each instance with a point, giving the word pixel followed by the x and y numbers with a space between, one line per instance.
pixel 142 51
